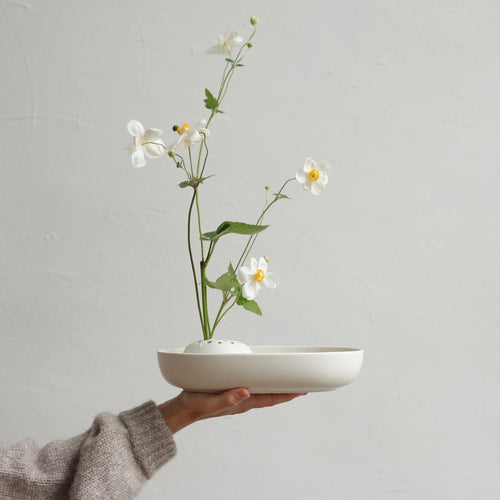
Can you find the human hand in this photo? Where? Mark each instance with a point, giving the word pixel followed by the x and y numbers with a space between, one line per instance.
pixel 189 407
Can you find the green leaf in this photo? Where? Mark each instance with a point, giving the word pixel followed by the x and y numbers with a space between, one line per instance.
pixel 195 182
pixel 224 283
pixel 210 102
pixel 199 180
pixel 249 305
pixel 280 196
pixel 209 236
pixel 229 60
pixel 228 227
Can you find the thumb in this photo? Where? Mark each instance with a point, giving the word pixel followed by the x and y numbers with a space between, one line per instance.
pixel 229 399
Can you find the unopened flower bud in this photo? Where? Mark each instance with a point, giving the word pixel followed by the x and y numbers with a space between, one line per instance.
pixel 171 154
pixel 254 21
pixel 266 258
pixel 267 188
pixel 249 45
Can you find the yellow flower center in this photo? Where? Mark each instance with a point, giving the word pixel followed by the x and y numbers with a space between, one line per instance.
pixel 259 275
pixel 183 128
pixel 313 175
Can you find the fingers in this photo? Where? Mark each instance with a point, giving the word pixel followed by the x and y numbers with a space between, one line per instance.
pixel 231 402
pixel 205 405
pixel 227 400
pixel 251 402
pixel 189 407
pixel 265 400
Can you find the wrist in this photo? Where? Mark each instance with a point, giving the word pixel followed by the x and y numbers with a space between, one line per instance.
pixel 175 414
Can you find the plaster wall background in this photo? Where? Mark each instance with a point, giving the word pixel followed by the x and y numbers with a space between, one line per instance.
pixel 400 256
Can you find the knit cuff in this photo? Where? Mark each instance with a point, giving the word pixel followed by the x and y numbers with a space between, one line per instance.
pixel 152 441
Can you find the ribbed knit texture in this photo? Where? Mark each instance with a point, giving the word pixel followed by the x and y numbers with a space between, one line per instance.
pixel 112 460
pixel 151 439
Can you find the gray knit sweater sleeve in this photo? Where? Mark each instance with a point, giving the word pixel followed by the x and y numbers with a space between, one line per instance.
pixel 112 460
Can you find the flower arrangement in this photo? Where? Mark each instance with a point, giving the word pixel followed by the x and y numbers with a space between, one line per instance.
pixel 240 284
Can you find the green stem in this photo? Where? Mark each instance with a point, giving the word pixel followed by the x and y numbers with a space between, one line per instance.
pixel 190 162
pixel 203 305
pixel 252 238
pixel 206 320
pixel 217 317
pixel 207 331
pixel 248 247
pixel 198 211
pixel 227 75
pixel 221 317
pixel 191 259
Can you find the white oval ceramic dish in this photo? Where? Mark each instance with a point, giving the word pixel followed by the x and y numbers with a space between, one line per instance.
pixel 268 369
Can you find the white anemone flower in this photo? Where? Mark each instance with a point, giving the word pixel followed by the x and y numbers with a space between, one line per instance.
pixel 189 136
pixel 254 276
pixel 313 176
pixel 225 43
pixel 146 144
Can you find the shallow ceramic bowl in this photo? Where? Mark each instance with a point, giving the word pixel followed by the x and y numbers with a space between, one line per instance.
pixel 268 369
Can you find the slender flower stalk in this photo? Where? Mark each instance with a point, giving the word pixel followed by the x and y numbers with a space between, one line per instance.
pixel 240 284
pixel 191 258
pixel 251 240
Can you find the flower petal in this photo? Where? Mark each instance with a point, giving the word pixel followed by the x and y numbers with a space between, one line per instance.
pixel 195 136
pixel 251 289
pixel 301 176
pixel 130 149
pixel 153 150
pixel 271 280
pixel 234 38
pixel 317 188
pixel 262 264
pixel 216 49
pixel 174 145
pixel 190 138
pixel 135 128
pixel 138 159
pixel 244 274
pixel 307 184
pixel 323 166
pixel 309 164
pixel 253 265
pixel 225 43
pixel 152 134
pixel 200 127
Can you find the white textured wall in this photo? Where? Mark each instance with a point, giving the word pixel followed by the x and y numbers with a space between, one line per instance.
pixel 400 256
